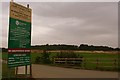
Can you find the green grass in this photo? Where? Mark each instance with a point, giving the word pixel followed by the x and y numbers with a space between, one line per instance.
pixel 4 55
pixel 34 56
pixel 90 57
pixel 6 72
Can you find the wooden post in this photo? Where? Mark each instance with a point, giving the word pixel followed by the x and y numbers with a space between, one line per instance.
pixel 27 5
pixel 54 60
pixel 84 63
pixel 9 73
pixel 97 63
pixel 66 61
pixel 81 62
pixel 115 64
pixel 26 70
pixel 30 70
pixel 30 59
pixel 16 70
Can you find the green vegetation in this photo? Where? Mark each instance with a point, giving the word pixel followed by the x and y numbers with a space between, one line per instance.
pixel 98 61
pixel 4 55
pixel 34 56
pixel 74 47
pixel 6 72
pixel 69 54
pixel 44 58
pixel 84 47
pixel 89 57
pixel 83 54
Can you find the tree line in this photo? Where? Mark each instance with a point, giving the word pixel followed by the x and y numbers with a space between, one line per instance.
pixel 85 47
pixel 74 47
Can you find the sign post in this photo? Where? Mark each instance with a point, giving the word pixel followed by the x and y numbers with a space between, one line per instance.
pixel 19 40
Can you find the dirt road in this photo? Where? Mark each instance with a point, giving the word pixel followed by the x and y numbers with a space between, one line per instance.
pixel 43 71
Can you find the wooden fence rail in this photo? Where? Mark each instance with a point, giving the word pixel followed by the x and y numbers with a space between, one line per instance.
pixel 68 61
pixel 97 63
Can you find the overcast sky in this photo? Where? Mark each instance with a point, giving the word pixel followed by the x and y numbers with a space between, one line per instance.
pixel 93 23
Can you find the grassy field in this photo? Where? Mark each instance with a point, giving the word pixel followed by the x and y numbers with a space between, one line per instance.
pixel 90 57
pixel 106 60
pixel 85 55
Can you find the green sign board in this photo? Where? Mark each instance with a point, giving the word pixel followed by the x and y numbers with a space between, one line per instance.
pixel 19 41
pixel 19 34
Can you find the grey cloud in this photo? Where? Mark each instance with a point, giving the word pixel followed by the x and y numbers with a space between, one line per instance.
pixel 92 12
pixel 74 23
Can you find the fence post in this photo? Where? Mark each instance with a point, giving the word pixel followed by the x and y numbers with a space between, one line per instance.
pixel 115 64
pixel 54 60
pixel 16 72
pixel 66 61
pixel 84 62
pixel 97 63
pixel 26 70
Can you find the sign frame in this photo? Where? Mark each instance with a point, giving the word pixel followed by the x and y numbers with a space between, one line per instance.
pixel 19 40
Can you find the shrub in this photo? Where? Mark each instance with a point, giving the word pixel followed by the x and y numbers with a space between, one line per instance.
pixel 68 54
pixel 45 59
